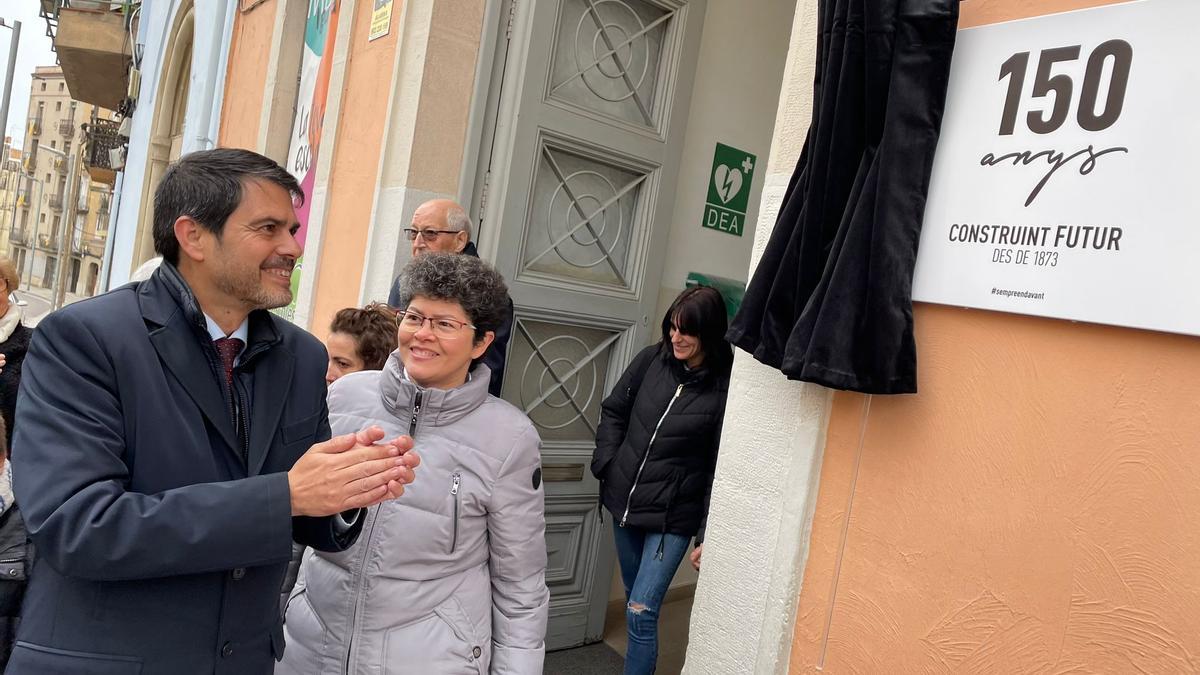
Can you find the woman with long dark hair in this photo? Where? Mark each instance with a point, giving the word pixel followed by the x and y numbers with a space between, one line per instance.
pixel 656 450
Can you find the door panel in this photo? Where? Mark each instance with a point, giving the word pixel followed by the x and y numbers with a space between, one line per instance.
pixel 584 221
pixel 588 135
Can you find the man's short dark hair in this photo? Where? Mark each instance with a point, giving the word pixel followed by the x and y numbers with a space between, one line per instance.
pixel 207 186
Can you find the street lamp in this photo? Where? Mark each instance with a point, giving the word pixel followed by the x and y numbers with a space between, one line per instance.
pixel 12 66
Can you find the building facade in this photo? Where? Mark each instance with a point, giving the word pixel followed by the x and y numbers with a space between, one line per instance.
pixel 44 228
pixel 11 189
pixel 1026 511
pixel 161 67
pixel 379 107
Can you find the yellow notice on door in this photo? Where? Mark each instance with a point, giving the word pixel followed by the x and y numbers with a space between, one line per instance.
pixel 381 19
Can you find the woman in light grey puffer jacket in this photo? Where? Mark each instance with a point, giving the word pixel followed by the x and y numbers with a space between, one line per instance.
pixel 450 577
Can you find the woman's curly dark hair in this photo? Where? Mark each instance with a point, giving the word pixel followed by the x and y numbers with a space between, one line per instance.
pixel 455 277
pixel 374 330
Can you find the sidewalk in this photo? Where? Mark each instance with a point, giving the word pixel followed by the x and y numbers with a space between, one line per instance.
pixel 40 301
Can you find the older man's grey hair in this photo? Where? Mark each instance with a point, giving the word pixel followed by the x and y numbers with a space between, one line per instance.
pixel 458 220
pixel 465 279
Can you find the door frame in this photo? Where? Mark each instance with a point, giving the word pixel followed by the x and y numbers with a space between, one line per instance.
pixel 490 142
pixel 479 151
pixel 495 103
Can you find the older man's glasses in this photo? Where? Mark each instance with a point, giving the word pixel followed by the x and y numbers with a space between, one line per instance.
pixel 427 235
pixel 411 322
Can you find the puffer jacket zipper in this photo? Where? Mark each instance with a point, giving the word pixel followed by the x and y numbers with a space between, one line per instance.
pixel 646 456
pixel 455 482
pixel 412 426
pixel 359 575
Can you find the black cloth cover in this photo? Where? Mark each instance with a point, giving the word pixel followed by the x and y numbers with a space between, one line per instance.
pixel 831 299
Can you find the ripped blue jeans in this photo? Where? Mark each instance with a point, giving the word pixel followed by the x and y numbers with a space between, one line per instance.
pixel 648 562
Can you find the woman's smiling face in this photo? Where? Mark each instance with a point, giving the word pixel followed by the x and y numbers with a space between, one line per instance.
pixel 436 357
pixel 686 347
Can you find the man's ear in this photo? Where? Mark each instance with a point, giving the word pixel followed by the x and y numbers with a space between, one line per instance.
pixel 192 238
pixel 461 241
pixel 482 344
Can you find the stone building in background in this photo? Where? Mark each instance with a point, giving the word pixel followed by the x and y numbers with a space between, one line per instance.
pixel 10 188
pixel 37 224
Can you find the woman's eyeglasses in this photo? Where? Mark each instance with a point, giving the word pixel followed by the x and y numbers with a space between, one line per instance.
pixel 427 235
pixel 411 322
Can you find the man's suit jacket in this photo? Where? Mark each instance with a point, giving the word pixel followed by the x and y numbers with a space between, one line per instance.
pixel 160 548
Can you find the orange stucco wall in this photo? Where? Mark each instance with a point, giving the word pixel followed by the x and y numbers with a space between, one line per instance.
pixel 1033 509
pixel 354 173
pixel 245 81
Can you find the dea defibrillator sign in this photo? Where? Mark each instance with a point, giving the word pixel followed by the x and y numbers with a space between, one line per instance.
pixel 728 190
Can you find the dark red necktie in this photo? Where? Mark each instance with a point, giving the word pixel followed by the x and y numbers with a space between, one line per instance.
pixel 228 349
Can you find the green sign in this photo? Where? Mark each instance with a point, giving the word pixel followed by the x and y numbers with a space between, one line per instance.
pixel 732 291
pixel 729 190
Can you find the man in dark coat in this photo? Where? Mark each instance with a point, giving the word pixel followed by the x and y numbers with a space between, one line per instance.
pixel 442 226
pixel 175 441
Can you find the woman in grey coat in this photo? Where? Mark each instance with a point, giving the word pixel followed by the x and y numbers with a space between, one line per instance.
pixel 451 577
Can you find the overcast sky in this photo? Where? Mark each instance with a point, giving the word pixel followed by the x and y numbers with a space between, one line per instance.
pixel 34 50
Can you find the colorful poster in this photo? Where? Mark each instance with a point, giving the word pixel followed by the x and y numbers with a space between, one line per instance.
pixel 320 31
pixel 381 20
pixel 1063 184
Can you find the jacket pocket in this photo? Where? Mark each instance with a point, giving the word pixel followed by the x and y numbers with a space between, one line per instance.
pixel 600 464
pixel 304 429
pixel 277 641
pixel 12 569
pixel 31 659
pixel 305 635
pixel 444 642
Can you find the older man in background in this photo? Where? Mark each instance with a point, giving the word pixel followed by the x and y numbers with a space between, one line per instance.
pixel 442 226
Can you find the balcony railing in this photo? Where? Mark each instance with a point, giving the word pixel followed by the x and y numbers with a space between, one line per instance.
pixel 48 242
pixel 101 136
pixel 56 202
pixel 23 198
pixel 35 126
pixel 29 162
pixel 60 164
pixel 67 127
pixel 91 246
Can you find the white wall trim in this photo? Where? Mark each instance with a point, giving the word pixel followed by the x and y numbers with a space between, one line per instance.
pixel 222 74
pixel 283 80
pixel 769 468
pixel 474 153
pixel 212 28
pixel 488 239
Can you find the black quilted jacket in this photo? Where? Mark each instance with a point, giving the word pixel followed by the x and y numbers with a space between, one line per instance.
pixel 661 480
